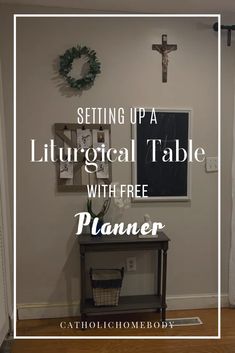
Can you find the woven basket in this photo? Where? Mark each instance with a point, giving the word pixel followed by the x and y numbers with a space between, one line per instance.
pixel 106 286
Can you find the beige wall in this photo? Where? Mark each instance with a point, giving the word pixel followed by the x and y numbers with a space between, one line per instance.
pixel 227 116
pixel 47 261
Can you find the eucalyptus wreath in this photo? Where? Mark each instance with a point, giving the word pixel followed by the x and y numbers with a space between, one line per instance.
pixel 66 63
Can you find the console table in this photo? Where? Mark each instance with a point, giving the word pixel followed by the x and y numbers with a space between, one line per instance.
pixel 124 243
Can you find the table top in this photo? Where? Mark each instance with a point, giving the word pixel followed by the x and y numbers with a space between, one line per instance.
pixel 86 239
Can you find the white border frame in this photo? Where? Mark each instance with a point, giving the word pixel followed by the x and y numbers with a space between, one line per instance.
pixel 218 16
pixel 189 174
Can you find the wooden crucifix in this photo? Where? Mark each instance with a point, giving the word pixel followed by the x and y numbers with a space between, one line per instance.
pixel 164 49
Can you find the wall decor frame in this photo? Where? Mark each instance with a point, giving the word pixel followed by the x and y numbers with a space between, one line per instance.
pixel 167 181
pixel 74 178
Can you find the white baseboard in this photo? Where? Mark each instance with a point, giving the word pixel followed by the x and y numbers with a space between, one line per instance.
pixel 45 310
pixel 57 310
pixel 196 301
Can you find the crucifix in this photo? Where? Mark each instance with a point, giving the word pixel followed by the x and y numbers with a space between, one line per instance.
pixel 164 49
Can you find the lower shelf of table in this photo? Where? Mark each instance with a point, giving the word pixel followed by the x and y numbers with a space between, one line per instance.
pixel 126 303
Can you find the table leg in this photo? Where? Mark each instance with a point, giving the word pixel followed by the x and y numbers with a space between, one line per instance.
pixel 163 318
pixel 82 285
pixel 159 272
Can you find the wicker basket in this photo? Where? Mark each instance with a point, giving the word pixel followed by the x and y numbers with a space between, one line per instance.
pixel 106 286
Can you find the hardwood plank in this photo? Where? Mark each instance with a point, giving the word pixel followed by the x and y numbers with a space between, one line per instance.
pixel 209 327
pixel 51 327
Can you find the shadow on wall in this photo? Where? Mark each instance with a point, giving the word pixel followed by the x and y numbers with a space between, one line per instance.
pixel 69 277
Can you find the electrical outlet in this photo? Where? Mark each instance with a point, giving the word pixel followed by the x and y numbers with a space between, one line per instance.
pixel 131 264
pixel 211 164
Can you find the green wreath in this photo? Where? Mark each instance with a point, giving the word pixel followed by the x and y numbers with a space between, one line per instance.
pixel 66 63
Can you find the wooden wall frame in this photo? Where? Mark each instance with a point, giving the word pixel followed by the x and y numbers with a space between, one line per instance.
pixel 62 130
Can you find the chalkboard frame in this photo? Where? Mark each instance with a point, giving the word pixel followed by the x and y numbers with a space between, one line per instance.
pixel 186 197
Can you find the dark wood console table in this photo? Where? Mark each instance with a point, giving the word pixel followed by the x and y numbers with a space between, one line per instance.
pixel 124 243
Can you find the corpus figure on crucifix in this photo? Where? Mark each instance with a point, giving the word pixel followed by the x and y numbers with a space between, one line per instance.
pixel 164 49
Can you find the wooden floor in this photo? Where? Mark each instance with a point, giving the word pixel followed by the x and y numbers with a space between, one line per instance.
pixel 49 327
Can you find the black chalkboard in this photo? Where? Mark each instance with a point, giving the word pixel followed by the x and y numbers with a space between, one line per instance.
pixel 165 180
